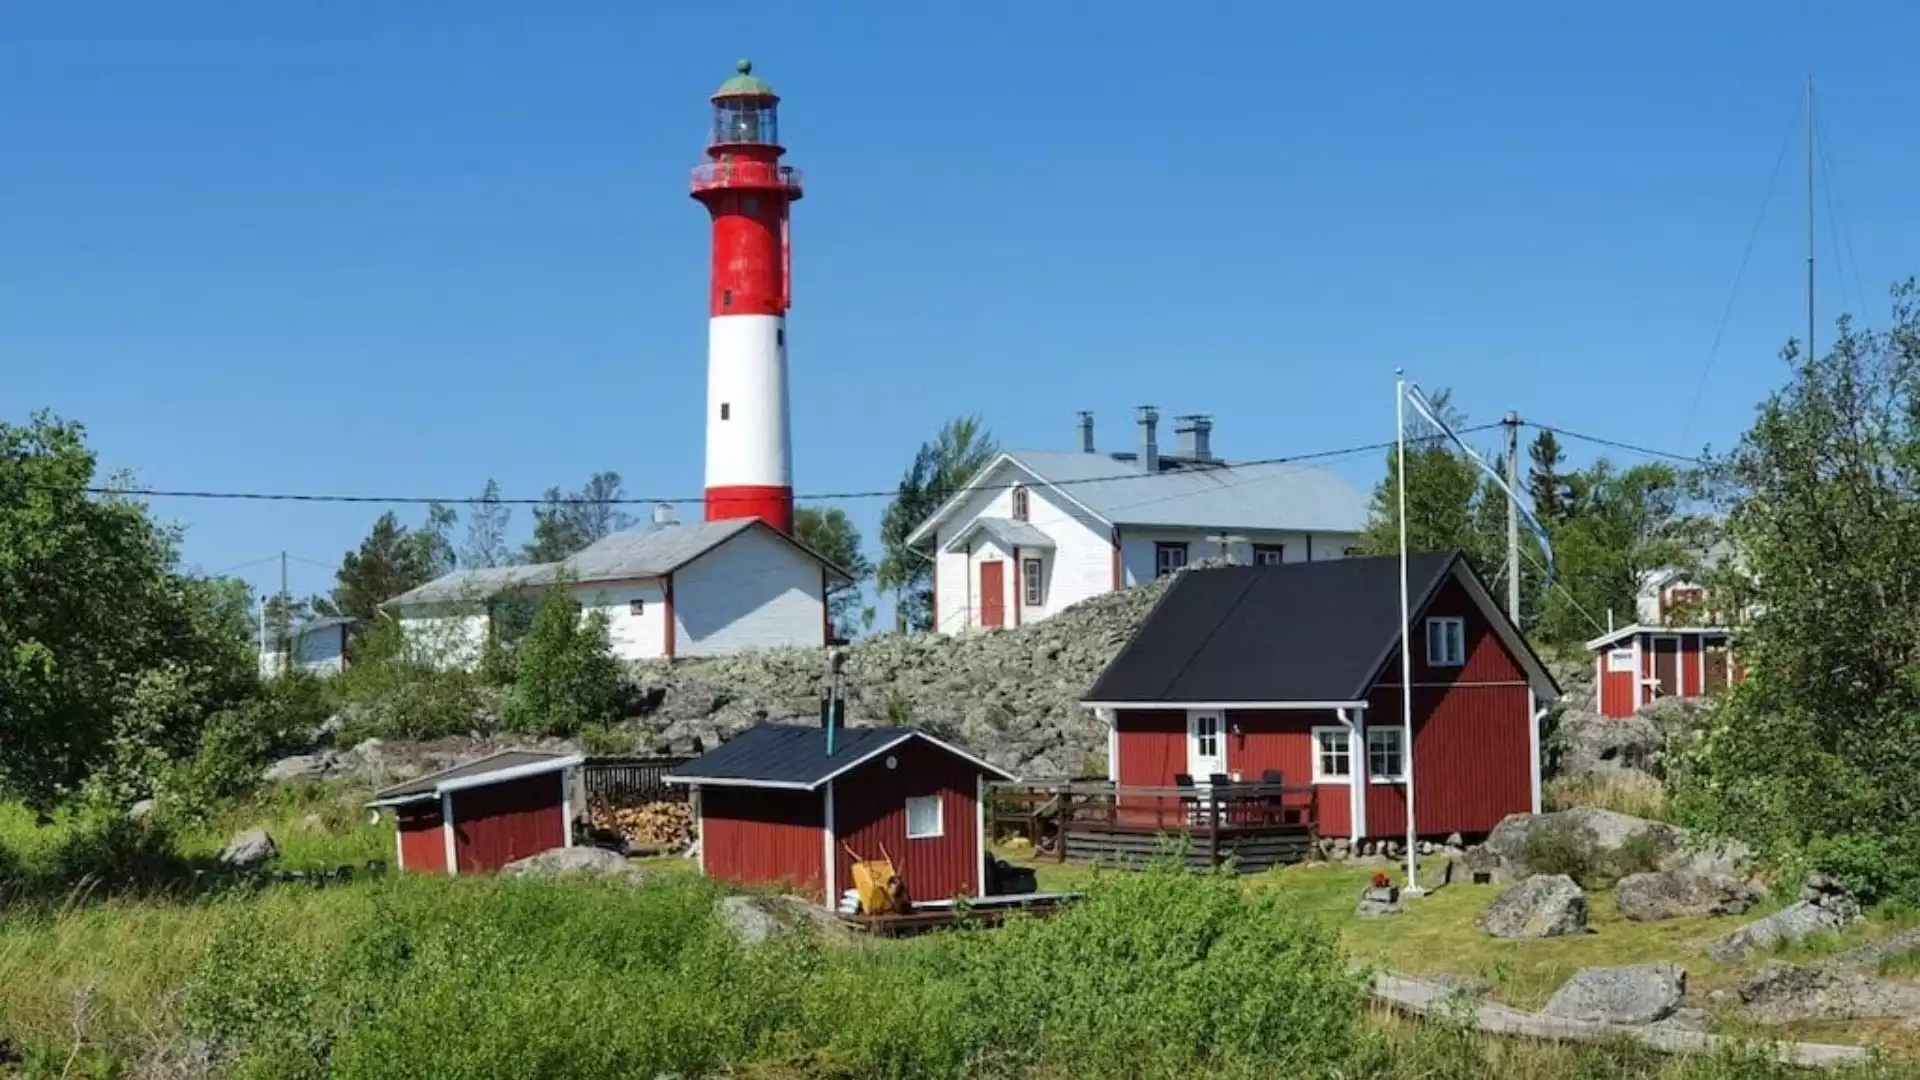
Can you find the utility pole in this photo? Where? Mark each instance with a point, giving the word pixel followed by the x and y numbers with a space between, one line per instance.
pixel 1810 240
pixel 286 621
pixel 1512 424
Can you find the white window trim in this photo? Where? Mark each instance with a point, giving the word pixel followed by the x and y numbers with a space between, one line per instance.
pixel 1346 736
pixel 1443 623
pixel 1398 736
pixel 1161 547
pixel 939 817
pixel 1034 593
pixel 1620 661
pixel 1219 718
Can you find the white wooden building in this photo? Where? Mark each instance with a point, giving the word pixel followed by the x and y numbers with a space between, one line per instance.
pixel 317 647
pixel 668 591
pixel 1037 531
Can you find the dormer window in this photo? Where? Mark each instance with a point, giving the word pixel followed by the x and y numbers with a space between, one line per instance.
pixel 1020 504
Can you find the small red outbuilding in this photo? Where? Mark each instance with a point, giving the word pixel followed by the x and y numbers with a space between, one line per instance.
pixel 1638 665
pixel 1292 671
pixel 775 808
pixel 483 815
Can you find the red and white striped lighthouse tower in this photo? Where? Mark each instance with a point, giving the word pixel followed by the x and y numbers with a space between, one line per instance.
pixel 748 192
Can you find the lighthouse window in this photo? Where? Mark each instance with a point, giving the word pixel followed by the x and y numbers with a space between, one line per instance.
pixel 726 297
pixel 726 410
pixel 780 337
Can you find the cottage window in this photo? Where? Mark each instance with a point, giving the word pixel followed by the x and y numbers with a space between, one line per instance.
pixel 923 818
pixel 636 607
pixel 1167 558
pixel 726 411
pixel 1620 660
pixel 1446 642
pixel 1030 579
pixel 1385 758
pixel 1019 504
pixel 1269 554
pixel 1332 755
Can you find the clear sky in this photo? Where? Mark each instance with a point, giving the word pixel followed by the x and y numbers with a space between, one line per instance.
pixel 371 247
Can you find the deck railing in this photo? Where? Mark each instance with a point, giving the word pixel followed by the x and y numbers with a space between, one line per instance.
pixel 1106 817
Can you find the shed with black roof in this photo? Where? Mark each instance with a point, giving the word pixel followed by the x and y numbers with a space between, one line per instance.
pixel 779 804
pixel 1294 669
pixel 485 814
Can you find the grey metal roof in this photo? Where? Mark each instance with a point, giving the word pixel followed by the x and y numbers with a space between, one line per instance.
pixel 795 756
pixel 1284 496
pixel 492 763
pixel 473 586
pixel 1010 533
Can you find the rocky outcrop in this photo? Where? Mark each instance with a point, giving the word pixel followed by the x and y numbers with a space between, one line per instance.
pixel 375 762
pixel 577 862
pixel 1636 994
pixel 1539 907
pixel 1591 744
pixel 753 920
pixel 1785 994
pixel 1678 894
pixel 1824 908
pixel 1599 839
pixel 248 850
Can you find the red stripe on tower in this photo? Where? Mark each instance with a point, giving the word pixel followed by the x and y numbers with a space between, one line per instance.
pixel 748 193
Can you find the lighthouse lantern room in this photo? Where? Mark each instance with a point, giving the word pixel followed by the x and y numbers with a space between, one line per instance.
pixel 748 192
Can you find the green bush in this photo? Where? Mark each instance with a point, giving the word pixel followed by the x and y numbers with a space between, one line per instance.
pixel 1558 847
pixel 405 689
pixel 568 676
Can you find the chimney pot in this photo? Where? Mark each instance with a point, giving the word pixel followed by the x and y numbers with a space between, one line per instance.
pixel 1149 418
pixel 663 514
pixel 1196 436
pixel 1086 432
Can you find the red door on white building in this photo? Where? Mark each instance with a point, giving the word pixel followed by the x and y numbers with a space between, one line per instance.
pixel 993 594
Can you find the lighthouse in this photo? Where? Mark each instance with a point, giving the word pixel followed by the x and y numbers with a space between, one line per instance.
pixel 747 191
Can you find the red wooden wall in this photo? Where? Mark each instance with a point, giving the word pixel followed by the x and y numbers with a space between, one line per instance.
pixel 1616 687
pixel 1487 656
pixel 1473 759
pixel 870 813
pixel 1152 748
pixel 1259 740
pixel 499 823
pixel 423 843
pixel 762 836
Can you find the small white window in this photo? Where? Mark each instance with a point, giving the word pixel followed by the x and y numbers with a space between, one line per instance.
pixel 1332 755
pixel 923 818
pixel 1446 642
pixel 1620 660
pixel 636 607
pixel 1020 505
pixel 1030 579
pixel 1385 762
pixel 1168 558
pixel 1206 735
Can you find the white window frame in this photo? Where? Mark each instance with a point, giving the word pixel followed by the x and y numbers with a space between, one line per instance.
pixel 1345 737
pixel 1384 735
pixel 939 817
pixel 1278 551
pixel 1622 660
pixel 1444 630
pixel 1022 503
pixel 1034 589
pixel 1167 547
pixel 1217 722
pixel 637 606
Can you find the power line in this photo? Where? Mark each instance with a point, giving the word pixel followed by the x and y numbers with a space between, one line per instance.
pixel 1645 451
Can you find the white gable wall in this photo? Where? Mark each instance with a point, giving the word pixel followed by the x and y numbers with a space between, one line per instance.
pixel 1138 547
pixel 446 636
pixel 756 591
pixel 640 635
pixel 1079 566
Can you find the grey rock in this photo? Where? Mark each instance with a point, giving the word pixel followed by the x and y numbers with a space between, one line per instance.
pixel 1675 894
pixel 1599 832
pixel 140 811
pixel 1479 860
pixel 753 920
pixel 1684 1019
pixel 1868 957
pixel 1785 994
pixel 1636 994
pixel 1455 842
pixel 577 862
pixel 1592 744
pixel 1465 985
pixel 1828 910
pixel 1722 997
pixel 1539 907
pixel 248 850
pixel 1379 903
pixel 316 766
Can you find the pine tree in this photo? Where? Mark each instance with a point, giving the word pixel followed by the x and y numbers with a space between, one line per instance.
pixel 1544 480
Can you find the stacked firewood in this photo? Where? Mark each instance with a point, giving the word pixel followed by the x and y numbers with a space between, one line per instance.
pixel 669 824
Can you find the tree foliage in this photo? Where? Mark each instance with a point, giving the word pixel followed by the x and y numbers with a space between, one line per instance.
pixel 1545 483
pixel 962 448
pixel 1444 499
pixel 391 560
pixel 487 525
pixel 828 530
pixel 1820 745
pixel 95 615
pixel 568 523
pixel 568 676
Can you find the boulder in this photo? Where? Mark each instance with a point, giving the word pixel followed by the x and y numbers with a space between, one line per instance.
pixel 1377 902
pixel 1699 1020
pixel 753 920
pixel 1539 907
pixel 1596 833
pixel 248 850
pixel 140 811
pixel 1636 994
pixel 1477 861
pixel 317 766
pixel 1466 986
pixel 1785 994
pixel 1824 908
pixel 1677 894
pixel 1592 744
pixel 577 862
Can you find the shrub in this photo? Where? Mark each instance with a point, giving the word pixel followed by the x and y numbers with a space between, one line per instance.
pixel 1876 868
pixel 1559 847
pixel 407 689
pixel 1625 791
pixel 568 676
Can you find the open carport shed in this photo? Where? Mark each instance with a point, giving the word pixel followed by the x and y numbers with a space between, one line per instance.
pixel 483 815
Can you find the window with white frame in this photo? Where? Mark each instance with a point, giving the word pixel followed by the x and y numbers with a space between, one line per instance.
pixel 636 607
pixel 1269 554
pixel 1030 580
pixel 1206 735
pixel 1385 757
pixel 1332 755
pixel 1167 558
pixel 923 818
pixel 1446 642
pixel 1020 504
pixel 1620 660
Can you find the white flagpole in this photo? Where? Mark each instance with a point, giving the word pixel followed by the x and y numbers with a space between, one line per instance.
pixel 1406 635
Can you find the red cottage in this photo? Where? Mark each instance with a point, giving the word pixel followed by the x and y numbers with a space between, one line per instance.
pixel 484 815
pixel 1240 673
pixel 775 808
pixel 1636 665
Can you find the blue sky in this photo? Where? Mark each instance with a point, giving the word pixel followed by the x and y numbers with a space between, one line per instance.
pixel 381 248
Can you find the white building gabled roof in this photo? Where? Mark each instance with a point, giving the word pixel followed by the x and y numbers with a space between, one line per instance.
pixel 1273 497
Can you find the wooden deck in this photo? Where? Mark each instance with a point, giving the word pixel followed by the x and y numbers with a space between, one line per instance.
pixel 940 914
pixel 1256 826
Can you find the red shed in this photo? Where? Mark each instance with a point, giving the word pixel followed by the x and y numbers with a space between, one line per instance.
pixel 775 808
pixel 1637 665
pixel 1294 669
pixel 483 815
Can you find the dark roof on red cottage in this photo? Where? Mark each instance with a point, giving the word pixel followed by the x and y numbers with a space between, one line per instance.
pixel 494 768
pixel 1293 633
pixel 793 756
